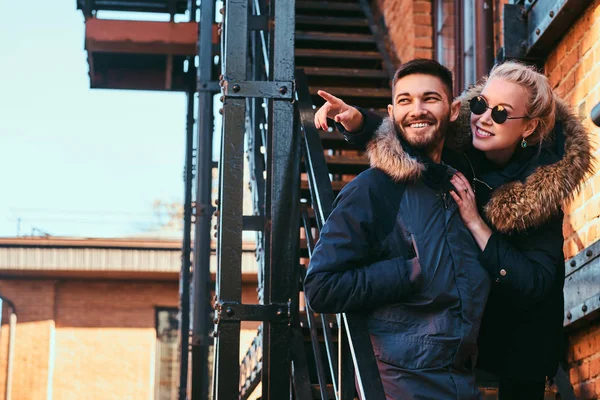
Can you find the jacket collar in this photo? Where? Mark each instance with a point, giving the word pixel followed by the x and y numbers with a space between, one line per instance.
pixel 402 163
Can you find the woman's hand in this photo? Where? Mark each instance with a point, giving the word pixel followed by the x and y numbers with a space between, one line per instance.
pixel 467 207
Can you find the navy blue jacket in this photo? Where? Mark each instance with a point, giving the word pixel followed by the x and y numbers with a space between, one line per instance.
pixel 395 250
pixel 521 334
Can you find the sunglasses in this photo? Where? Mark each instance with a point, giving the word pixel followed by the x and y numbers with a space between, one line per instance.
pixel 479 105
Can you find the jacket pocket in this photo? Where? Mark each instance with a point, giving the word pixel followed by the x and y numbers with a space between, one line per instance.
pixel 414 353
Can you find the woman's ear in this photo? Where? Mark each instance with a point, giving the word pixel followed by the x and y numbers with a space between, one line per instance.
pixel 532 125
pixel 455 110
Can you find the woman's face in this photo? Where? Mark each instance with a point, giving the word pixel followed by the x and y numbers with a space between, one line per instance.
pixel 499 141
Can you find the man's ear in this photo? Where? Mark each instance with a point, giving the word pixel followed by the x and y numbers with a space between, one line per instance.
pixel 391 111
pixel 454 110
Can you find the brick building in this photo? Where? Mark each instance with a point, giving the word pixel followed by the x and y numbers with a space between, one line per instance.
pixel 96 318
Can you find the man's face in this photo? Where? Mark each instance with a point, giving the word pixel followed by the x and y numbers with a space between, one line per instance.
pixel 422 110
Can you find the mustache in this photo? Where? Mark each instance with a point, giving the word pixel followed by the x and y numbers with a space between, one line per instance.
pixel 412 121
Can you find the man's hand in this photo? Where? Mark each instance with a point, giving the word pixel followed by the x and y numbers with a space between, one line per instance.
pixel 350 118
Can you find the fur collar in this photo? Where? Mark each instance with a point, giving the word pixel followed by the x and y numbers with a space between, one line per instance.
pixel 387 154
pixel 514 206
pixel 517 206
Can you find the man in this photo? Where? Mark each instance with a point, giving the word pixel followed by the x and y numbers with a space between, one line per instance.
pixel 395 250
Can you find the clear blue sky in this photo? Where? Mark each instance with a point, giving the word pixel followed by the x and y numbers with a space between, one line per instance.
pixel 76 161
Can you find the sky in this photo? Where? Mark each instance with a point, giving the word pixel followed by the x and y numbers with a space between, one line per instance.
pixel 76 161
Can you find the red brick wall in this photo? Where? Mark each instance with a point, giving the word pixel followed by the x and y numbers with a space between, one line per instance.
pixel 409 24
pixel 97 339
pixel 34 301
pixel 574 71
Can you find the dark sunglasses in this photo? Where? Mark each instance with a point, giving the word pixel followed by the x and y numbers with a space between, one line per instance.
pixel 499 114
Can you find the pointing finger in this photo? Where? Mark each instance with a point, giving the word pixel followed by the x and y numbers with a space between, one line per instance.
pixel 329 97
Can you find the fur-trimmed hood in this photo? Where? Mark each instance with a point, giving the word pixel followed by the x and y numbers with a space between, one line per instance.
pixel 514 206
pixel 386 153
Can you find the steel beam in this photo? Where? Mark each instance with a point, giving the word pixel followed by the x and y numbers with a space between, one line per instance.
pixel 582 287
pixel 184 277
pixel 283 184
pixel 532 28
pixel 231 174
pixel 202 283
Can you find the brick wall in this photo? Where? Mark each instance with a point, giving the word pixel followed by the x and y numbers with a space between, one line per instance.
pixel 409 24
pixel 84 339
pixel 34 301
pixel 574 71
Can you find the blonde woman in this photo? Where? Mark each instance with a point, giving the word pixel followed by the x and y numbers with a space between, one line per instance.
pixel 523 154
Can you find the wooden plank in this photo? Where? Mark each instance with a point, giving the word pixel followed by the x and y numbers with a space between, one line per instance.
pixel 345 72
pixel 327 6
pixel 347 54
pixel 330 21
pixel 354 92
pixel 334 37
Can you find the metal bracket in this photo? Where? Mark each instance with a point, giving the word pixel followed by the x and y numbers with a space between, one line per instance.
pixel 582 280
pixel 235 312
pixel 515 33
pixel 532 28
pixel 583 311
pixel 582 258
pixel 208 86
pixel 260 89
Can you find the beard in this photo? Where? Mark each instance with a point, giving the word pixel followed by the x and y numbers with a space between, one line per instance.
pixel 428 140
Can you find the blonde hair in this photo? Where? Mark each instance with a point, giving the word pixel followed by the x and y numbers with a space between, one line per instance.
pixel 540 104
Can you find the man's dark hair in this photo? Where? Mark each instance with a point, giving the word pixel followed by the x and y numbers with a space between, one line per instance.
pixel 426 67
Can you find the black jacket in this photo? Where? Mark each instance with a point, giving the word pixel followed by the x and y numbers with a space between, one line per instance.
pixel 395 250
pixel 521 334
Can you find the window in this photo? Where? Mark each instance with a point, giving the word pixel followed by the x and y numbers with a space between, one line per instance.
pixel 455 40
pixel 167 354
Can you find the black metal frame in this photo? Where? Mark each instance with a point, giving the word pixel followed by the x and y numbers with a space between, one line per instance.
pixel 243 98
pixel 532 28
pixel 202 285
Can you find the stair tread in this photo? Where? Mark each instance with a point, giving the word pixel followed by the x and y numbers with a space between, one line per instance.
pixel 347 160
pixel 336 185
pixel 350 72
pixel 336 21
pixel 328 5
pixel 373 55
pixel 334 37
pixel 354 92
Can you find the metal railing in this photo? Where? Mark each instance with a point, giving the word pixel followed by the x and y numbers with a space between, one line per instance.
pixel 354 360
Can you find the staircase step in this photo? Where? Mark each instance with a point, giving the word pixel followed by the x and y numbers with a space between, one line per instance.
pixel 345 92
pixel 345 72
pixel 343 54
pixel 337 186
pixel 330 21
pixel 327 6
pixel 334 37
pixel 316 391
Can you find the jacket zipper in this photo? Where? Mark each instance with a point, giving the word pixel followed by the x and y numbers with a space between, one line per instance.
pixel 475 179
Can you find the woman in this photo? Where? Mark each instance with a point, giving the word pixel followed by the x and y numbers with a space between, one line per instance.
pixel 520 181
pixel 528 156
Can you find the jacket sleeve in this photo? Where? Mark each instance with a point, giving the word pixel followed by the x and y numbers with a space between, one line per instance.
pixel 360 139
pixel 340 277
pixel 531 270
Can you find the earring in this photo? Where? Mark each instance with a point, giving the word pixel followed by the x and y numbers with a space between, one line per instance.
pixel 524 143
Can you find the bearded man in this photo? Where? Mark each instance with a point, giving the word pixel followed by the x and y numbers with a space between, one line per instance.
pixel 394 248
